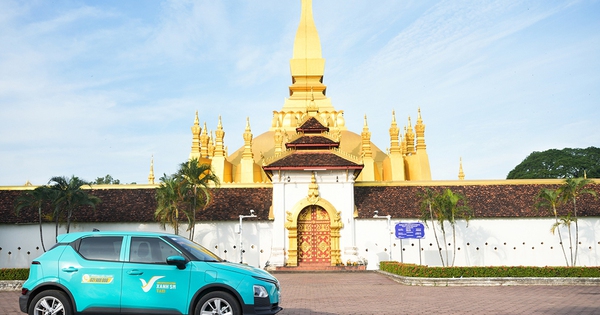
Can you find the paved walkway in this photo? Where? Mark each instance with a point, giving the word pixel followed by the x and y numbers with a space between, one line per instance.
pixel 373 293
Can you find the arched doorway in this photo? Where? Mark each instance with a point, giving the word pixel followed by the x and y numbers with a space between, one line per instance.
pixel 314 236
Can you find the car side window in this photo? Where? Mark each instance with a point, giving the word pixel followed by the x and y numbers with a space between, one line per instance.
pixel 101 247
pixel 150 250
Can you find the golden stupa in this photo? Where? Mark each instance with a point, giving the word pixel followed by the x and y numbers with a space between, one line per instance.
pixel 406 158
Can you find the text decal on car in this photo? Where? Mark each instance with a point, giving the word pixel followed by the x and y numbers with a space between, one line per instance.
pixel 146 286
pixel 100 279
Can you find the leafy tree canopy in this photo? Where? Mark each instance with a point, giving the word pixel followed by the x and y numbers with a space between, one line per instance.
pixel 106 180
pixel 554 163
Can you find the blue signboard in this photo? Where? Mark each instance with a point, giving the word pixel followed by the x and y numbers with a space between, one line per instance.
pixel 410 230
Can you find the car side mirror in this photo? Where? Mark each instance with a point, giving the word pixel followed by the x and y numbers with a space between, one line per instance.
pixel 178 261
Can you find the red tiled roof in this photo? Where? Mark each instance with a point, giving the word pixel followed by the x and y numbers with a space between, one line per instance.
pixel 312 159
pixel 312 125
pixel 487 201
pixel 138 205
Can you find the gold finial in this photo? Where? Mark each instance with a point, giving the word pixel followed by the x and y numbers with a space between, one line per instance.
pixel 394 138
pixel 151 175
pixel 461 174
pixel 313 190
pixel 196 120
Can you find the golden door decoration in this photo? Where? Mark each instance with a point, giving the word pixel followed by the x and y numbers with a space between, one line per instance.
pixel 314 236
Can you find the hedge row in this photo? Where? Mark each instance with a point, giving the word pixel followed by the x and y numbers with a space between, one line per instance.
pixel 14 273
pixel 412 270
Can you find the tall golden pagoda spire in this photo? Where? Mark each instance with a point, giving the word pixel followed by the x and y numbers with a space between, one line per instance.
pixel 307 67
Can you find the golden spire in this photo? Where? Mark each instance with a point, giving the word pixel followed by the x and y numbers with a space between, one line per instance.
pixel 195 153
pixel 204 142
pixel 247 141
pixel 211 144
pixel 219 135
pixel 151 175
pixel 394 131
pixel 420 130
pixel 366 140
pixel 410 138
pixel 307 44
pixel 461 174
pixel 313 190
pixel 307 67
pixel 278 139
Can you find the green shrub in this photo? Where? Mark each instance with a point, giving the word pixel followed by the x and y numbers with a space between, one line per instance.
pixel 14 273
pixel 412 270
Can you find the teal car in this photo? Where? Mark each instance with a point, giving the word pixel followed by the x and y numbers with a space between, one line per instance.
pixel 142 273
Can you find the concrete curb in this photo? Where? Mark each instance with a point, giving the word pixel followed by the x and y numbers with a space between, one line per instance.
pixel 11 285
pixel 483 282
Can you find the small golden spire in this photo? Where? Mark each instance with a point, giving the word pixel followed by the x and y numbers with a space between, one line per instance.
pixel 461 174
pixel 410 138
pixel 394 139
pixel 247 141
pixel 219 135
pixel 366 140
pixel 151 175
pixel 195 152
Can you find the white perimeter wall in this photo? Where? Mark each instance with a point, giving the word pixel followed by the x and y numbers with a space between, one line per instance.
pixel 485 242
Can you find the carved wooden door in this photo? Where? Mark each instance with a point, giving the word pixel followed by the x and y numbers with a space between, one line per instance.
pixel 314 236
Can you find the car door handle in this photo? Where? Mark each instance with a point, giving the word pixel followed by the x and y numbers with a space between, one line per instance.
pixel 134 272
pixel 70 269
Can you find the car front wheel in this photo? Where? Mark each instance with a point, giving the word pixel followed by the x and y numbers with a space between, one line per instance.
pixel 220 303
pixel 50 302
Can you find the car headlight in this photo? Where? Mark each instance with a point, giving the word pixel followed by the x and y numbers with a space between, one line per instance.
pixel 260 291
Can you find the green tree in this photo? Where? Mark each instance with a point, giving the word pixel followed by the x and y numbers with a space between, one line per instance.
pixel 196 180
pixel 554 163
pixel 454 205
pixel 441 207
pixel 570 191
pixel 551 199
pixel 106 180
pixel 34 199
pixel 168 197
pixel 430 211
pixel 68 195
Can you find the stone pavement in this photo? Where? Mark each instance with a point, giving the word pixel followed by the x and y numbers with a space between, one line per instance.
pixel 374 293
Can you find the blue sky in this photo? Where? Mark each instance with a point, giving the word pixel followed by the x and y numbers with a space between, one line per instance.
pixel 90 88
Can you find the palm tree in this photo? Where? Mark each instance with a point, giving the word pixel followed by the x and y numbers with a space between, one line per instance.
pixel 430 211
pixel 455 206
pixel 550 198
pixel 196 180
pixel 168 196
pixel 69 196
pixel 571 189
pixel 34 199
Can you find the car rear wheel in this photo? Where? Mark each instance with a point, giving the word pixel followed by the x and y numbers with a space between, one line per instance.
pixel 50 302
pixel 220 303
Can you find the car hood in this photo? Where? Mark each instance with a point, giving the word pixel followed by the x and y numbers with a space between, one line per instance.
pixel 241 268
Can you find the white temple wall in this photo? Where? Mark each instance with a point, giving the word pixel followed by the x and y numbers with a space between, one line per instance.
pixel 486 242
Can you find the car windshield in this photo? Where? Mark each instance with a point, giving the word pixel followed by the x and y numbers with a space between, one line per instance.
pixel 196 250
